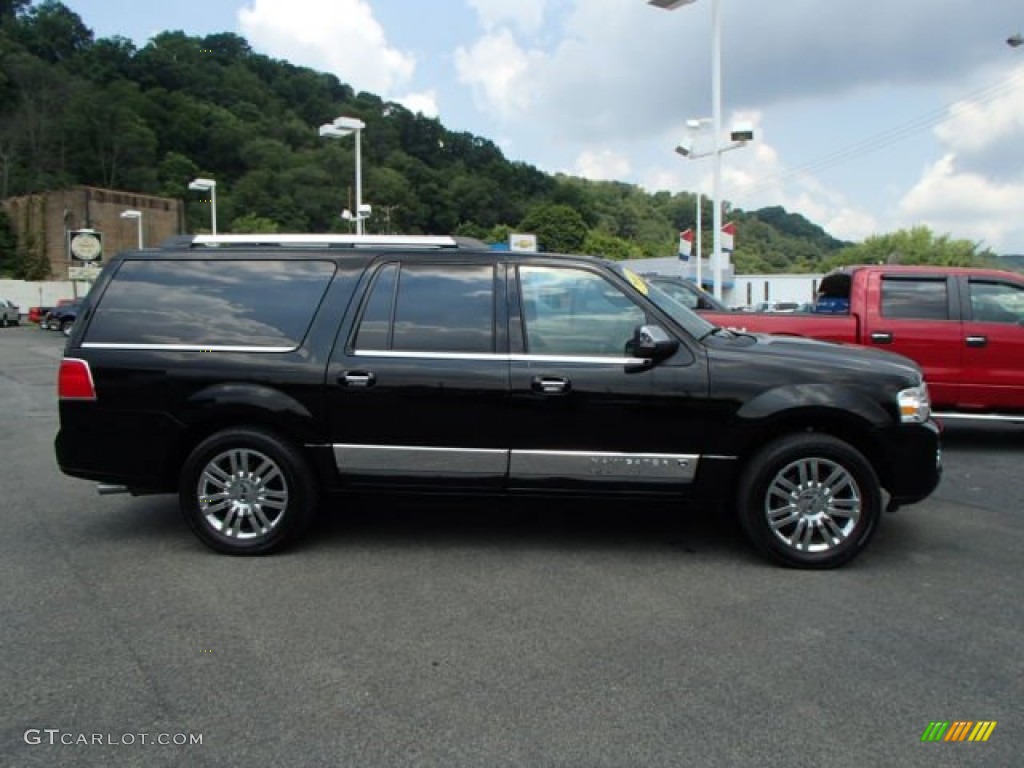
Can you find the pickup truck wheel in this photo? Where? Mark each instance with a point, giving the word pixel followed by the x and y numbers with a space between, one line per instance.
pixel 67 326
pixel 809 501
pixel 245 491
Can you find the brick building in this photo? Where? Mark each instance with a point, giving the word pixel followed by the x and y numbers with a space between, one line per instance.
pixel 42 222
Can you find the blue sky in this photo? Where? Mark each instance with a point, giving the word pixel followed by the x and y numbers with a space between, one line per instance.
pixel 870 115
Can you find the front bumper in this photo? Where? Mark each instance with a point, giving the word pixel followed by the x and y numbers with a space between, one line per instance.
pixel 911 461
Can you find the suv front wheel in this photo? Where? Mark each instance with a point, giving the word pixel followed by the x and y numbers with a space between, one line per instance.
pixel 809 501
pixel 245 491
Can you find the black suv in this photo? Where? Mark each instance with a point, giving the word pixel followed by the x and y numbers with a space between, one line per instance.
pixel 255 374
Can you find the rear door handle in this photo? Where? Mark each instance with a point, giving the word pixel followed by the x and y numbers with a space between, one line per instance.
pixel 977 341
pixel 881 337
pixel 549 385
pixel 357 379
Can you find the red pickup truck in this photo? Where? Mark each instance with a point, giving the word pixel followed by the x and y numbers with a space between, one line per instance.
pixel 963 326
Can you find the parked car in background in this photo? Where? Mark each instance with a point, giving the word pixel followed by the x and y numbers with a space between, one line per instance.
pixel 38 314
pixel 61 318
pixel 686 292
pixel 9 313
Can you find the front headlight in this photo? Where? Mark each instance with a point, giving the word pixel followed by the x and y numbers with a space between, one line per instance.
pixel 915 406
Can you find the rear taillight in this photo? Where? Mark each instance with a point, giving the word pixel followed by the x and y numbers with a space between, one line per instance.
pixel 74 382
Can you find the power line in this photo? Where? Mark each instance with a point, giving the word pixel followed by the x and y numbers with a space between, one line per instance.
pixel 888 136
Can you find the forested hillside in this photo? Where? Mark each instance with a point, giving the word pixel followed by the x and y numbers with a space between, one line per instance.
pixel 102 112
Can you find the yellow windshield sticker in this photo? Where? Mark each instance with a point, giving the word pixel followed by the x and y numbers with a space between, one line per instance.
pixel 635 280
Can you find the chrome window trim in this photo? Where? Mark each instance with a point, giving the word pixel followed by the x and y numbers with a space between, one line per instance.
pixel 501 357
pixel 183 347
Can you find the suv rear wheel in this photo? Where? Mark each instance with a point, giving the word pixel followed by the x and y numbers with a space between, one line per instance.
pixel 245 491
pixel 809 501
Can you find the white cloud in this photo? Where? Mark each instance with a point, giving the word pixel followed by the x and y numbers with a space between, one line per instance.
pixel 337 36
pixel 967 205
pixel 498 70
pixel 424 102
pixel 602 165
pixel 527 15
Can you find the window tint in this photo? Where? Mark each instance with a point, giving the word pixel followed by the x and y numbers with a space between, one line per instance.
pixel 375 328
pixel 925 299
pixel 574 312
pixel 251 303
pixel 994 302
pixel 438 308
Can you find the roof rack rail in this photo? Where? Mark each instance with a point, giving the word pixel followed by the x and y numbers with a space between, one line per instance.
pixel 322 241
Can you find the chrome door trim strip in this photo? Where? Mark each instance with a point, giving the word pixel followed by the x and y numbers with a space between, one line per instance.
pixel 413 460
pixel 604 466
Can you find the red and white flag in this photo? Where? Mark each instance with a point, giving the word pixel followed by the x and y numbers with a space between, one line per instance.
pixel 685 244
pixel 728 236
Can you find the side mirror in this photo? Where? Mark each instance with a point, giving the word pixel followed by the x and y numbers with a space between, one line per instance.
pixel 650 342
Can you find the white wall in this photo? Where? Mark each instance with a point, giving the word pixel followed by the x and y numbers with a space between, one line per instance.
pixel 751 289
pixel 27 294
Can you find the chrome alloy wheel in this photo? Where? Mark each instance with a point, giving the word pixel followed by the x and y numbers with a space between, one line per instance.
pixel 243 494
pixel 813 505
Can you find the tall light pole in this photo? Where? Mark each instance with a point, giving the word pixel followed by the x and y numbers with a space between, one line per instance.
pixel 339 128
pixel 739 137
pixel 716 119
pixel 208 185
pixel 694 129
pixel 137 215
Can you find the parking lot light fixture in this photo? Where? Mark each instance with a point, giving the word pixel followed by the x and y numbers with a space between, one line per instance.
pixel 339 128
pixel 137 215
pixel 716 111
pixel 208 185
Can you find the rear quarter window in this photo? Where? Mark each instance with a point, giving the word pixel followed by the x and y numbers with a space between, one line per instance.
pixel 215 303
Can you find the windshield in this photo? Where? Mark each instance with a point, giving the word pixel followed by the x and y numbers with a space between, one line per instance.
pixel 689 320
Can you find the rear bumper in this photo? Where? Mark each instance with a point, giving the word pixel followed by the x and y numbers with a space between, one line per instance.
pixel 912 461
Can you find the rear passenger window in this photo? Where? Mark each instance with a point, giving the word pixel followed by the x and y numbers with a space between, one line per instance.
pixel 210 303
pixel 915 298
pixel 432 308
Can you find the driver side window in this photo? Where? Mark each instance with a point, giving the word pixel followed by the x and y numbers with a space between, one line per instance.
pixel 572 312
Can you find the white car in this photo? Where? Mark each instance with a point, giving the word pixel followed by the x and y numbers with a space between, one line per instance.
pixel 9 313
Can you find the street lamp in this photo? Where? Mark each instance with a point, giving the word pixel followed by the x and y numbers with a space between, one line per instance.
pixel 341 127
pixel 716 112
pixel 137 215
pixel 694 128
pixel 208 185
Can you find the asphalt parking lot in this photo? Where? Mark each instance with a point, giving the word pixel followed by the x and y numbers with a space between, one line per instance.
pixel 496 634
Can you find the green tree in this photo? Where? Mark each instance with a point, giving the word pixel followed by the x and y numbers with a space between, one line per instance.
pixel 8 245
pixel 559 228
pixel 918 245
pixel 609 246
pixel 251 224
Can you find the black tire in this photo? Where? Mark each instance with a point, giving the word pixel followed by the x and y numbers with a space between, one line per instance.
pixel 3 321
pixel 246 491
pixel 820 519
pixel 67 327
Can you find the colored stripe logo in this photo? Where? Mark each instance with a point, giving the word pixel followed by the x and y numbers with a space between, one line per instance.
pixel 958 730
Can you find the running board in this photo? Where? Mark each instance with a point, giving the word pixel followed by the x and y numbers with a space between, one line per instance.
pixel 1004 417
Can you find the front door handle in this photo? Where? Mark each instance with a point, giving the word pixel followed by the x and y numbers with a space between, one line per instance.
pixel 357 379
pixel 977 341
pixel 549 385
pixel 881 337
